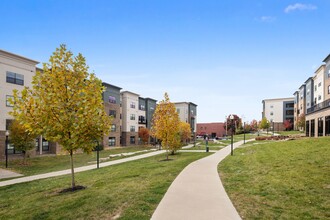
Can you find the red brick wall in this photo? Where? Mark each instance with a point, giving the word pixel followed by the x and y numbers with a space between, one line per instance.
pixel 209 128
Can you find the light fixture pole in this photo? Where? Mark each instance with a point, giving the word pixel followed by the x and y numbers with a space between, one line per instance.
pixel 244 131
pixel 232 133
pixel 6 148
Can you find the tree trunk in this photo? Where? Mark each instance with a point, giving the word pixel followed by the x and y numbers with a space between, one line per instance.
pixel 72 171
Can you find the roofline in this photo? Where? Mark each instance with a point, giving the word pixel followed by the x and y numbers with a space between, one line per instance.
pixel 278 99
pixel 323 65
pixel 129 92
pixel 19 56
pixel 295 92
pixel 151 99
pixel 327 58
pixel 309 78
pixel 185 103
pixel 107 84
pixel 302 86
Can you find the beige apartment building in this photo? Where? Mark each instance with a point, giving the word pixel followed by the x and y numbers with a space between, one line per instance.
pixel 130 113
pixel 276 111
pixel 318 114
pixel 188 113
pixel 16 72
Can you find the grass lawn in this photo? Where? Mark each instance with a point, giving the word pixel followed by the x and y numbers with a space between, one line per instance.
pixel 289 132
pixel 280 180
pixel 131 190
pixel 49 163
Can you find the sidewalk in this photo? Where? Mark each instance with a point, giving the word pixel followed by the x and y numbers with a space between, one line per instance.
pixel 4 174
pixel 78 169
pixel 197 192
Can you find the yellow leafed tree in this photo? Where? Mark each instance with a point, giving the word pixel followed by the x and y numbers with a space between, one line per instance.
pixel 185 131
pixel 165 125
pixel 65 104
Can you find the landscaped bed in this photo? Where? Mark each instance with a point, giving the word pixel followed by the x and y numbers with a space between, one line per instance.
pixel 280 180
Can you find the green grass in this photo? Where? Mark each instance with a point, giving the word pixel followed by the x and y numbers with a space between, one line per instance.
pixel 131 190
pixel 280 180
pixel 49 163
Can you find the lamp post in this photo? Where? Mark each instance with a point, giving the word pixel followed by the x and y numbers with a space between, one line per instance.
pixel 6 148
pixel 231 117
pixel 273 128
pixel 206 143
pixel 226 125
pixel 244 131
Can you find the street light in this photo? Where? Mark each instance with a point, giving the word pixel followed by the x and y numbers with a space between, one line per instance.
pixel 244 131
pixel 231 117
pixel 6 148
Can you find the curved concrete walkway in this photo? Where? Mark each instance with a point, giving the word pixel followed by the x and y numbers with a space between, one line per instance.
pixel 197 193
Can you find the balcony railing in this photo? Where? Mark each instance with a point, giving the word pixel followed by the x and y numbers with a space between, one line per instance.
pixel 320 106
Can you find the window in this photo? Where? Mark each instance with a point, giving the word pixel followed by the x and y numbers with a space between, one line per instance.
pixel 329 74
pixel 328 89
pixel 132 105
pixel 142 119
pixel 271 113
pixel 113 128
pixel 112 99
pixel 152 108
pixel 319 84
pixel 289 105
pixel 142 107
pixel 132 128
pixel 112 113
pixel 132 117
pixel 307 128
pixel 15 78
pixel 112 141
pixel 319 97
pixel 8 123
pixel 315 87
pixel 289 112
pixel 132 139
pixel 271 106
pixel 178 110
pixel 7 100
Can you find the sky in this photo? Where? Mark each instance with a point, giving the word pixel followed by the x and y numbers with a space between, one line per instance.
pixel 225 56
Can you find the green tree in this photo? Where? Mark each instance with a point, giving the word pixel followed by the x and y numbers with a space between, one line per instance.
pixel 65 104
pixel 264 124
pixel 165 125
pixel 21 138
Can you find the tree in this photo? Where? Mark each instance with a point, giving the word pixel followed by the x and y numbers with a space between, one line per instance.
pixel 65 104
pixel 264 124
pixel 185 131
pixel 21 138
pixel 287 125
pixel 254 125
pixel 144 134
pixel 229 124
pixel 301 122
pixel 165 125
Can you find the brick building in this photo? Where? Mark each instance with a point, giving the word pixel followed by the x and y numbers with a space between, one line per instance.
pixel 213 130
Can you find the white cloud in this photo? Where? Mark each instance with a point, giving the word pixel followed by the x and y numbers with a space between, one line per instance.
pixel 299 6
pixel 267 19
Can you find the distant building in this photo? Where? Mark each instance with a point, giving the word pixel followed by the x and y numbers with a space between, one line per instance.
pixel 187 113
pixel 213 130
pixel 277 111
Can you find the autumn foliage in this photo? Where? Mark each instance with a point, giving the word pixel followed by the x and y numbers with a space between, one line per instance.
pixel 65 104
pixel 185 131
pixel 165 125
pixel 144 135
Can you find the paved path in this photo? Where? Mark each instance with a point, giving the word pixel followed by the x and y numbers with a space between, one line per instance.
pixel 4 174
pixel 197 193
pixel 79 169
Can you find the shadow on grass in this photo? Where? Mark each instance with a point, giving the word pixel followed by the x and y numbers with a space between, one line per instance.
pixel 68 190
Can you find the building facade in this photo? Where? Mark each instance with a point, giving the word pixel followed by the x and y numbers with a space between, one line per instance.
pixel 111 101
pixel 277 111
pixel 318 114
pixel 212 130
pixel 16 72
pixel 130 113
pixel 187 113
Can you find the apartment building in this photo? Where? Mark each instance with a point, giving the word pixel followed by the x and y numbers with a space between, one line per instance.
pixel 277 111
pixel 111 100
pixel 318 114
pixel 16 72
pixel 130 112
pixel 187 113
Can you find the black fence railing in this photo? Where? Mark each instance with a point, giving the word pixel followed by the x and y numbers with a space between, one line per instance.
pixel 320 106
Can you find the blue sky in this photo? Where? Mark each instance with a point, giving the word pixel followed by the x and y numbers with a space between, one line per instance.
pixel 225 56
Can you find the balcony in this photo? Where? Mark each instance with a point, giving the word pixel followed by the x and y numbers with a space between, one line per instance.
pixel 142 121
pixel 323 105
